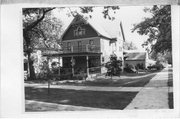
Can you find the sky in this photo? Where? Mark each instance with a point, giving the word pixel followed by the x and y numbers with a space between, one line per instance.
pixel 128 15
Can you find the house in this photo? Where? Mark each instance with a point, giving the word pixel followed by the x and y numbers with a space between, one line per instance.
pixel 87 46
pixel 135 58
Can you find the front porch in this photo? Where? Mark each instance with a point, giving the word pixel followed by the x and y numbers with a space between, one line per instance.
pixel 85 64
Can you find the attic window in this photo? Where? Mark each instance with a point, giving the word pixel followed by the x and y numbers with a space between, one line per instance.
pixel 79 31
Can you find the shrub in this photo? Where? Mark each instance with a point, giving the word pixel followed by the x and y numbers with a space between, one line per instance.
pixel 113 66
pixel 157 66
pixel 55 67
pixel 140 66
pixel 130 69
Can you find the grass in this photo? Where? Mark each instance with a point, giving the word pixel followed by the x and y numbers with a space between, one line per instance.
pixel 131 80
pixel 127 82
pixel 95 99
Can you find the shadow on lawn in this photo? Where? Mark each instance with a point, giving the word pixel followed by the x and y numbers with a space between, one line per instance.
pixel 96 99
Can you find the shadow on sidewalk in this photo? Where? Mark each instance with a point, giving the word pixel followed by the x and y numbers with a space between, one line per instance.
pixel 95 99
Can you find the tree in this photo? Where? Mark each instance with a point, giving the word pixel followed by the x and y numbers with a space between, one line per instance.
pixel 39 26
pixel 158 28
pixel 36 26
pixel 113 66
pixel 129 46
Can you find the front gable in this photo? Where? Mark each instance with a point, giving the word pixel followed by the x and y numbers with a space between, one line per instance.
pixel 79 28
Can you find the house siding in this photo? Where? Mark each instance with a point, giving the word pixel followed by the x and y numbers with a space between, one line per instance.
pixel 84 41
pixel 107 49
pixel 84 32
pixel 89 32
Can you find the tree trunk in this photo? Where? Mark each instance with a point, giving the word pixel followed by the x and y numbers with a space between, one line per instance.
pixel 32 75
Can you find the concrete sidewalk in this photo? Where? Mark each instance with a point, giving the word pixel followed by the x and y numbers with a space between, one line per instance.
pixel 154 95
pixel 32 105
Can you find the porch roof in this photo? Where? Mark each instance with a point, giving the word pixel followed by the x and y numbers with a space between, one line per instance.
pixel 135 56
pixel 72 54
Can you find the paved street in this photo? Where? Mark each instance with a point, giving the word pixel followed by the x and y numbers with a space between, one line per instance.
pixel 153 95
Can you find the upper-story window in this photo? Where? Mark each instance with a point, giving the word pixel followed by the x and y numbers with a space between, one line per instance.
pixel 79 45
pixel 91 42
pixel 79 31
pixel 69 46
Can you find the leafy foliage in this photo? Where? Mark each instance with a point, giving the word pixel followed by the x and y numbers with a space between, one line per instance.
pixel 158 28
pixel 46 32
pixel 130 68
pixel 87 10
pixel 33 31
pixel 129 46
pixel 113 66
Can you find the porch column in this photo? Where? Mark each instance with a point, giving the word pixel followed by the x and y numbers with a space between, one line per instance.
pixel 48 63
pixel 72 63
pixel 59 65
pixel 87 64
pixel 49 80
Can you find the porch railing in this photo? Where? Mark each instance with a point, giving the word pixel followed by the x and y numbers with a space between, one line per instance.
pixel 82 48
pixel 94 70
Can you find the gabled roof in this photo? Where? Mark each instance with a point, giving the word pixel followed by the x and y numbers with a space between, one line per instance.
pixel 107 30
pixel 135 55
pixel 99 29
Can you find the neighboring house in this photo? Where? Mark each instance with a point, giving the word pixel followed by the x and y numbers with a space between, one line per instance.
pixel 87 46
pixel 135 58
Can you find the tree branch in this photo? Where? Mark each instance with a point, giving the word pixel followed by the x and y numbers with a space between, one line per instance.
pixel 32 25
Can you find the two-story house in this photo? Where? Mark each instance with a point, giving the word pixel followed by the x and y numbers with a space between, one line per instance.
pixel 87 46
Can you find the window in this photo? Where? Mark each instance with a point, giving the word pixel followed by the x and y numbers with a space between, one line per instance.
pixel 91 42
pixel 79 45
pixel 102 59
pixel 79 31
pixel 91 45
pixel 69 46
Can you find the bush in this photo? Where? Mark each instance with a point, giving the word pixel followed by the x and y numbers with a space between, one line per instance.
pixel 65 76
pixel 140 66
pixel 79 77
pixel 157 66
pixel 130 69
pixel 55 67
pixel 113 66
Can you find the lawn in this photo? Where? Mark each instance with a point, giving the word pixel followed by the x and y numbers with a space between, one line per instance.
pixel 95 99
pixel 84 98
pixel 114 82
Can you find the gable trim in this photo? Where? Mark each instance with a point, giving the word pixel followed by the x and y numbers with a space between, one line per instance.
pixel 100 35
